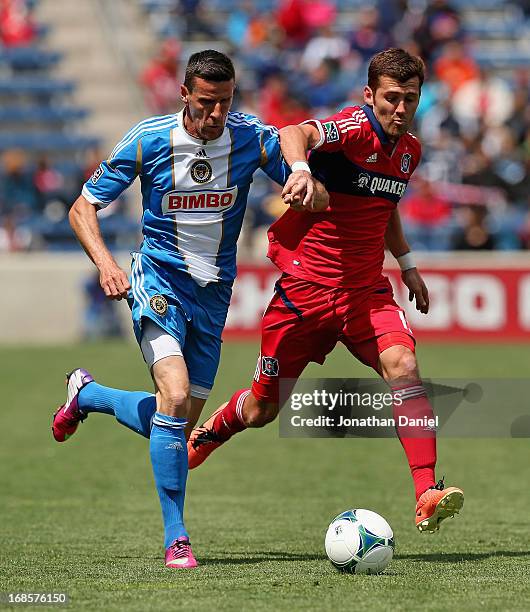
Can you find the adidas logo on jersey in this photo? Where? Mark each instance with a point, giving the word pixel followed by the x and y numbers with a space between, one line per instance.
pixel 201 153
pixel 372 159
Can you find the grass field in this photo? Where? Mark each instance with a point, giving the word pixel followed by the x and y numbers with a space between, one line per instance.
pixel 83 517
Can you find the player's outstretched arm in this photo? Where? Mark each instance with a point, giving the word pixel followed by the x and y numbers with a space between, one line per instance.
pixel 84 222
pixel 300 190
pixel 399 247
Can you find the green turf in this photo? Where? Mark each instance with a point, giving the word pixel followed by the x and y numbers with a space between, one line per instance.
pixel 258 510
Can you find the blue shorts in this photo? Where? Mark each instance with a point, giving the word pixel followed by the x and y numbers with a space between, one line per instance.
pixel 192 314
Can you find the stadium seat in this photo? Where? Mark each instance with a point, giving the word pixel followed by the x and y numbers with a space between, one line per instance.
pixel 28 58
pixel 46 141
pixel 41 114
pixel 30 87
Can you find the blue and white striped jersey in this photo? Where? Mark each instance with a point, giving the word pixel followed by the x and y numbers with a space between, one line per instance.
pixel 194 191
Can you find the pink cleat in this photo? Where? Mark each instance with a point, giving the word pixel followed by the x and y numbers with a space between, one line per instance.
pixel 179 554
pixel 68 417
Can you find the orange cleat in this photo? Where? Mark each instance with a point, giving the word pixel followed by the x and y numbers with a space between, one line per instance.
pixel 436 504
pixel 203 441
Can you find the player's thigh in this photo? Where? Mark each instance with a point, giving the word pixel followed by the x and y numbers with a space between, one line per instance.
pixel 375 324
pixel 297 327
pixel 203 342
pixel 152 298
pixel 157 344
pixel 162 353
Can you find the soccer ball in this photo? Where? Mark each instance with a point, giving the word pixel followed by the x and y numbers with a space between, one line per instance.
pixel 360 542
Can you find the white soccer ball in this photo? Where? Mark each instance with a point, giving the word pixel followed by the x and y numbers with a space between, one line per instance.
pixel 360 542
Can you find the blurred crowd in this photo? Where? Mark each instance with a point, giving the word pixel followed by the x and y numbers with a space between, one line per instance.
pixel 39 180
pixel 297 59
pixel 17 27
pixel 36 194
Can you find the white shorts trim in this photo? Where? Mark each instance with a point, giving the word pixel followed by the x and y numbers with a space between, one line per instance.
pixel 157 343
pixel 199 392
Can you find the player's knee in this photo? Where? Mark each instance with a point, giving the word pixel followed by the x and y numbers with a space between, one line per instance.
pixel 399 363
pixel 174 401
pixel 259 414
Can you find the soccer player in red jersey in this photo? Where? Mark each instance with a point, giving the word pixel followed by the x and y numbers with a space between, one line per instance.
pixel 332 288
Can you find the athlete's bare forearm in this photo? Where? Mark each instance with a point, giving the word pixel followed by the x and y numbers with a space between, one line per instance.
pixel 398 246
pixel 302 191
pixel 395 237
pixel 297 140
pixel 321 201
pixel 84 222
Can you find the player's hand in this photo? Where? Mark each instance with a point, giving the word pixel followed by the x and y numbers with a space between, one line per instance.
pixel 417 289
pixel 114 281
pixel 321 199
pixel 299 191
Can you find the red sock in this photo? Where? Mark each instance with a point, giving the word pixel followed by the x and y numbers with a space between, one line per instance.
pixel 419 442
pixel 230 420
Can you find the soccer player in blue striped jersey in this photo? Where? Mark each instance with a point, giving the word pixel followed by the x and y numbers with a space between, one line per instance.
pixel 195 169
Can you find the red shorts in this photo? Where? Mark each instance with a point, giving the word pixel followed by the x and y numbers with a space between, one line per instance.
pixel 304 321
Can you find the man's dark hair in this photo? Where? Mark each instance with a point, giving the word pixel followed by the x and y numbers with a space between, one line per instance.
pixel 209 65
pixel 397 64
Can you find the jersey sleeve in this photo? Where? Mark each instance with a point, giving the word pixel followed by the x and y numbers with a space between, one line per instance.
pixel 272 161
pixel 116 173
pixel 338 130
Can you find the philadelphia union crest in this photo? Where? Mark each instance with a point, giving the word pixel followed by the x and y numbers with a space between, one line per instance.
pixel 158 303
pixel 201 171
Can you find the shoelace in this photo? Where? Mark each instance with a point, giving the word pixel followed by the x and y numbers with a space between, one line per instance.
pixel 180 549
pixel 440 485
pixel 204 437
pixel 76 419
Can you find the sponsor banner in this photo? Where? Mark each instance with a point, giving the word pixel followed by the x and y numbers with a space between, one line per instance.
pixel 472 302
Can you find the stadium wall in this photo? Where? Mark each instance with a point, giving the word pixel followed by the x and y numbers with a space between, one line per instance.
pixel 482 297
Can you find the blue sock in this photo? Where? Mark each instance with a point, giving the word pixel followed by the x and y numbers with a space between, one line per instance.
pixel 169 457
pixel 134 409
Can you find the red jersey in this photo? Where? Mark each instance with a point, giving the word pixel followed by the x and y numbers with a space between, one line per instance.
pixel 365 176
